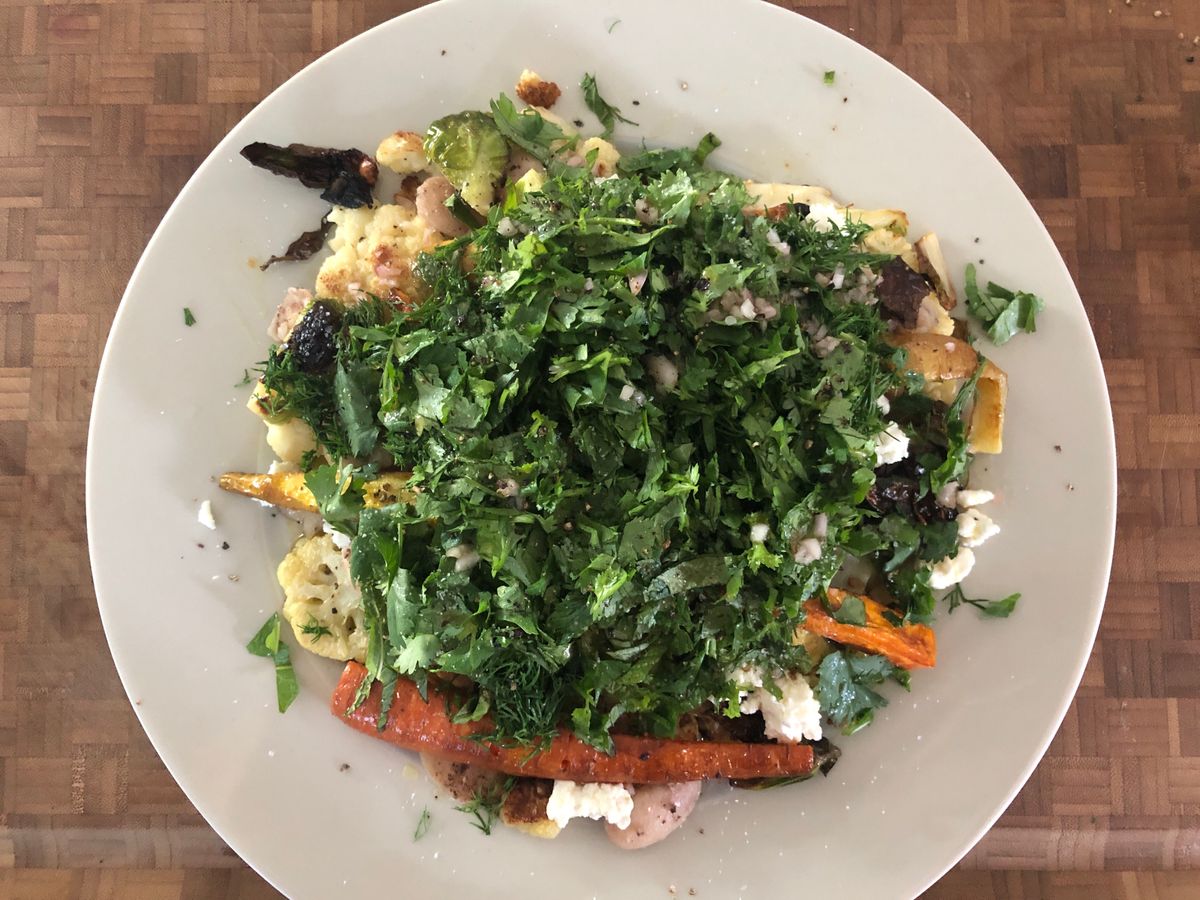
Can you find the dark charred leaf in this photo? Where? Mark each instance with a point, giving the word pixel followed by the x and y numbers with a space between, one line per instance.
pixel 901 291
pixel 345 177
pixel 304 246
pixel 314 340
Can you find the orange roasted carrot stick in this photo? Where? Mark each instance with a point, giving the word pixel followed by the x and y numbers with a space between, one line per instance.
pixel 908 646
pixel 416 725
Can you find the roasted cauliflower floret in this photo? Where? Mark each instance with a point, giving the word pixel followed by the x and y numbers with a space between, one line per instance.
pixel 322 604
pixel 767 195
pixel 607 156
pixel 403 153
pixel 536 91
pixel 373 252
pixel 289 438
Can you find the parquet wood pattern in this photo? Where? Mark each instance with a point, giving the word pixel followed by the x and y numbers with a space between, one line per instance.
pixel 107 107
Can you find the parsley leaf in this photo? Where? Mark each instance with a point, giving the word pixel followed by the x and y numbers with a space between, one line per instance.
pixel 188 318
pixel 844 689
pixel 851 612
pixel 829 77
pixel 997 609
pixel 268 643
pixel 608 114
pixel 1002 312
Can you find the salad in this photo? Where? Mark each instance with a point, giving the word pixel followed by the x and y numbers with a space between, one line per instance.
pixel 624 473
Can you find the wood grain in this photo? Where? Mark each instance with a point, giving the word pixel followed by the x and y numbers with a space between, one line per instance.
pixel 106 108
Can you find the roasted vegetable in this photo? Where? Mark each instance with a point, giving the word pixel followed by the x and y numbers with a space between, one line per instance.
pixel 946 364
pixel 304 246
pixel 901 291
pixel 417 724
pixel 907 646
pixel 313 342
pixel 288 489
pixel 469 150
pixel 345 177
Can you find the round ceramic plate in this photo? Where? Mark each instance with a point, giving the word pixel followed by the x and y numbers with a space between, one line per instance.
pixel 322 811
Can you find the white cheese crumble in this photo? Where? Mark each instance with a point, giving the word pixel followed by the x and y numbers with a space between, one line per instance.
pixel 883 403
pixel 340 540
pixel 891 445
pixel 826 217
pixel 974 528
pixel 967 499
pixel 951 570
pixel 792 716
pixel 205 516
pixel 807 551
pixel 465 557
pixel 759 532
pixel 571 800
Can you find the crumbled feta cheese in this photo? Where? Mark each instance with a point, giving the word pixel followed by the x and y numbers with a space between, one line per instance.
pixel 974 528
pixel 891 445
pixel 759 532
pixel 951 570
pixel 627 392
pixel 807 551
pixel 967 499
pixel 571 800
pixel 826 217
pixel 205 516
pixel 340 540
pixel 465 557
pixel 794 715
pixel 883 403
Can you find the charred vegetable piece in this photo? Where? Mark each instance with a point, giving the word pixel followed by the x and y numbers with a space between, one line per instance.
pixel 469 150
pixel 902 290
pixel 314 340
pixel 304 246
pixel 345 177
pixel 417 724
pixel 907 646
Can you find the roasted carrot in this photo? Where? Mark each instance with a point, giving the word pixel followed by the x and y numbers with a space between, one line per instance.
pixel 908 646
pixel 415 724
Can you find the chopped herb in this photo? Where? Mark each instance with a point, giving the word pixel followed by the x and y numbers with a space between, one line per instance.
pixel 246 379
pixel 610 385
pixel 1001 311
pixel 268 643
pixel 314 629
pixel 608 114
pixel 830 77
pixel 188 318
pixel 997 609
pixel 422 825
pixel 484 807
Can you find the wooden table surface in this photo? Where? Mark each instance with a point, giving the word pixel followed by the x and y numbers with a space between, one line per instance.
pixel 107 108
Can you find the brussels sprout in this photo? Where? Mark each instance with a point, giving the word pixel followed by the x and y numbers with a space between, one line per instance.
pixel 471 152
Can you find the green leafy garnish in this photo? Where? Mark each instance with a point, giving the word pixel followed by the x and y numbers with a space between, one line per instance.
pixel 608 114
pixel 484 807
pixel 268 643
pixel 188 318
pixel 610 388
pixel 829 77
pixel 844 689
pixel 422 825
pixel 314 629
pixel 1001 311
pixel 997 609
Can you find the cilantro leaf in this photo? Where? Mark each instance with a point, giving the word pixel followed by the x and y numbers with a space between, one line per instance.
pixel 189 319
pixel 528 129
pixel 996 609
pixel 844 688
pixel 1002 312
pixel 608 114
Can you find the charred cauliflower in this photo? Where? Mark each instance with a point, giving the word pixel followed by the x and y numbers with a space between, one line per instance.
pixel 321 603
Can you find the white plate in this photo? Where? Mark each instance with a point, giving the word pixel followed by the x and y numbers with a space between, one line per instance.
pixel 910 795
